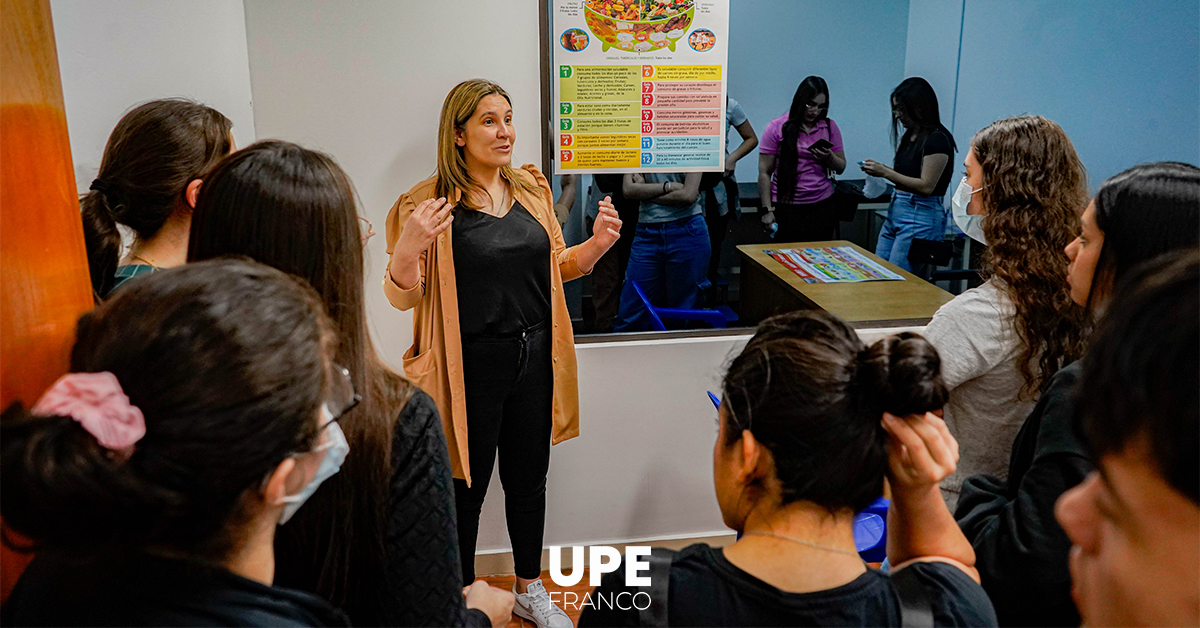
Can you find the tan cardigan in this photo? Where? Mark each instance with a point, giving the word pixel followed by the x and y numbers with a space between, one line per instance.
pixel 434 361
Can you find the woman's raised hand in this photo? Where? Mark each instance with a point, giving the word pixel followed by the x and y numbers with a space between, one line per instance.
pixel 607 228
pixel 429 219
pixel 874 168
pixel 921 451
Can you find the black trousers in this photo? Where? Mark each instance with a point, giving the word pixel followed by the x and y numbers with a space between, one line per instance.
pixel 810 222
pixel 509 390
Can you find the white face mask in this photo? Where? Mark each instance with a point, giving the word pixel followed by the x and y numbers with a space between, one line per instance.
pixel 335 450
pixel 971 224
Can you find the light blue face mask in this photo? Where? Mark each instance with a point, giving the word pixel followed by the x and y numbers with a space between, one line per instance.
pixel 971 224
pixel 335 449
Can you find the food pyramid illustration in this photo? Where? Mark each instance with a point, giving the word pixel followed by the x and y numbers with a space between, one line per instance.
pixel 639 25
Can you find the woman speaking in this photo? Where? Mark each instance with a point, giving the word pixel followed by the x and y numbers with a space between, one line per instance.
pixel 492 338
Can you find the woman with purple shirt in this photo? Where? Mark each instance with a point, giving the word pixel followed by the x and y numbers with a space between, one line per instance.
pixel 797 152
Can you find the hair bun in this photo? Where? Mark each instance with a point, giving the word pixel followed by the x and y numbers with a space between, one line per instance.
pixel 904 374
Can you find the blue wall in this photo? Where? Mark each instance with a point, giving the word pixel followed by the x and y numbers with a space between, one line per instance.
pixel 857 46
pixel 1122 77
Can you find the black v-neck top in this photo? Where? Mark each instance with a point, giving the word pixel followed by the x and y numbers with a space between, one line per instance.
pixel 502 271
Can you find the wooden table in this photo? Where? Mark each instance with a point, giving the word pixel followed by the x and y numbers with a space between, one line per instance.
pixel 769 288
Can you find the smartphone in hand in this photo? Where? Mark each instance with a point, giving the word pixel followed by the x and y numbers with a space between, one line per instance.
pixel 821 144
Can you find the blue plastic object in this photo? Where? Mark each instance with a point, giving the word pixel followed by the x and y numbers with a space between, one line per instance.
pixel 870 531
pixel 715 399
pixel 719 317
pixel 877 552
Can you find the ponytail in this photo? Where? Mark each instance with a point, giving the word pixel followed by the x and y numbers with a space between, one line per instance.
pixel 153 153
pixel 101 237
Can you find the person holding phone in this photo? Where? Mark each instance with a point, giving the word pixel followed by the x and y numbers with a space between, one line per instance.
pixel 920 171
pixel 798 151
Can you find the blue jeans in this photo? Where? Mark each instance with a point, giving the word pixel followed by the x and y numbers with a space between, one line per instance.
pixel 910 216
pixel 669 260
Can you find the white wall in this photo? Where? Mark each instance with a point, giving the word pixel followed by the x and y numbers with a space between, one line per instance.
pixel 642 465
pixel 118 53
pixel 364 81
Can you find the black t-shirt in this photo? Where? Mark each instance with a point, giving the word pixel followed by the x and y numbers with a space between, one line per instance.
pixel 135 589
pixel 910 155
pixel 708 590
pixel 502 271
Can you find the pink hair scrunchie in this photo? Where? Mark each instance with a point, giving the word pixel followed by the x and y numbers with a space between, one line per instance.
pixel 96 401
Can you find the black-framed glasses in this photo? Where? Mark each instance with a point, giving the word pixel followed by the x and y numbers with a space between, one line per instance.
pixel 818 107
pixel 342 397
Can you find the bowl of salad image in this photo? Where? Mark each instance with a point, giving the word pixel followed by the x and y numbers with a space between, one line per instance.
pixel 638 25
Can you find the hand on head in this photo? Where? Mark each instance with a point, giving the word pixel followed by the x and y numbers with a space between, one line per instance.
pixel 921 451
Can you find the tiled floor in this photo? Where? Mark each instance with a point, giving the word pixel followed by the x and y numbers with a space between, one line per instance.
pixel 506 583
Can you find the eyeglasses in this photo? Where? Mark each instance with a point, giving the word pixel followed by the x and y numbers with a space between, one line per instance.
pixel 365 229
pixel 818 107
pixel 342 397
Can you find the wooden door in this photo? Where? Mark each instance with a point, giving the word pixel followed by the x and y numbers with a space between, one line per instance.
pixel 44 281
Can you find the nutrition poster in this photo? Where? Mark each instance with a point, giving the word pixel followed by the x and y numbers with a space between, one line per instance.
pixel 834 264
pixel 639 85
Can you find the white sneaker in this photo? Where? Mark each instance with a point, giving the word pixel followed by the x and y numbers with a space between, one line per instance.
pixel 535 605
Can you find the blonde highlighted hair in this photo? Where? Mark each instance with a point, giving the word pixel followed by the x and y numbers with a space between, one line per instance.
pixel 460 105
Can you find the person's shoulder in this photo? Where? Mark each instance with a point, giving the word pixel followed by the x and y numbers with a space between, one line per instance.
pixel 424 190
pixel 988 298
pixel 977 313
pixel 938 142
pixel 530 173
pixel 1063 380
pixel 418 416
pixel 955 598
pixel 272 606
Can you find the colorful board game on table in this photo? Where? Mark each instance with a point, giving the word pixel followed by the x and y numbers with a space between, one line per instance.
pixel 835 264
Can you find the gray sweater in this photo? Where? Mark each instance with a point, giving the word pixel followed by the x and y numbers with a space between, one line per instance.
pixel 978 345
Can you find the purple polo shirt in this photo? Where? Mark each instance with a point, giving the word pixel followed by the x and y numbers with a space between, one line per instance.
pixel 812 184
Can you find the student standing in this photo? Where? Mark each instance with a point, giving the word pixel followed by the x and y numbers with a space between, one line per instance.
pixel 798 151
pixel 201 411
pixel 379 540
pixel 669 256
pixel 148 181
pixel 920 171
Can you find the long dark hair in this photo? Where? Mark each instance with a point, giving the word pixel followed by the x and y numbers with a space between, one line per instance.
pixel 919 102
pixel 295 209
pixel 1145 211
pixel 228 362
pixel 813 394
pixel 1035 189
pixel 1138 382
pixel 789 155
pixel 152 155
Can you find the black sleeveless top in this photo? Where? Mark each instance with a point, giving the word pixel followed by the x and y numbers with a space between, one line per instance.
pixel 502 271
